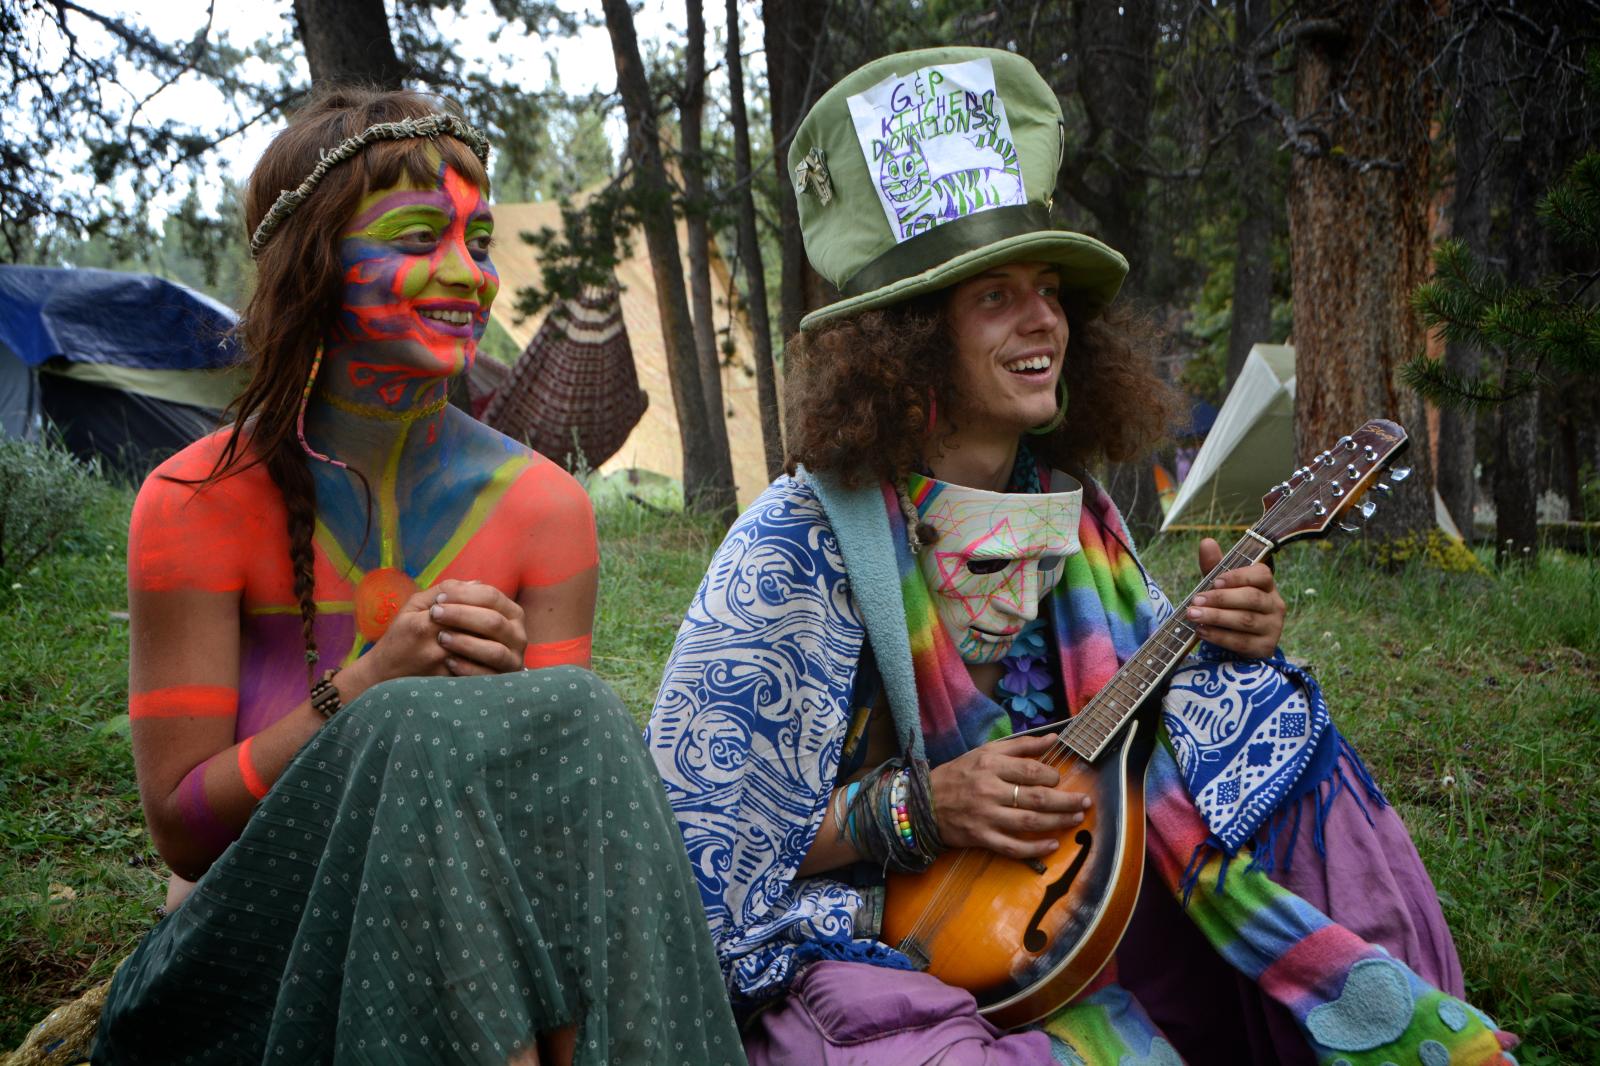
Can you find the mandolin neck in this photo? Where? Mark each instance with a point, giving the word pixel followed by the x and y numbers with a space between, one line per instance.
pixel 1102 718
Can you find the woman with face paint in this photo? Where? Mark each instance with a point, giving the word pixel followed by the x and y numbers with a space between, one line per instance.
pixel 405 822
pixel 938 572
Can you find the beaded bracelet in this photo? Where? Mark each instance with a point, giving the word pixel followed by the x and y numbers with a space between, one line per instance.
pixel 897 802
pixel 890 818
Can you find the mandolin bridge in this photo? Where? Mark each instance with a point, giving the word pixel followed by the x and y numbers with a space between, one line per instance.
pixel 913 949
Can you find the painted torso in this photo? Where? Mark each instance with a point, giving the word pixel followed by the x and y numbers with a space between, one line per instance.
pixel 490 510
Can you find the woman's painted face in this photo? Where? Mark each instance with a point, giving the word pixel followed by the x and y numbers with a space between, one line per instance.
pixel 417 286
pixel 1010 338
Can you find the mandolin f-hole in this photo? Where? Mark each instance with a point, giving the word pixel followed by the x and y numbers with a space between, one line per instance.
pixel 1033 938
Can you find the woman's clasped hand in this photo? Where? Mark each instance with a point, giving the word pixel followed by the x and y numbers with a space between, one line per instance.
pixel 454 629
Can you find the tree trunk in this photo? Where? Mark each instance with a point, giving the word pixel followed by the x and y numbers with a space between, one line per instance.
pixel 1469 223
pixel 1115 80
pixel 795 32
pixel 707 474
pixel 696 228
pixel 1516 443
pixel 1133 487
pixel 1258 199
pixel 348 41
pixel 755 276
pixel 1358 226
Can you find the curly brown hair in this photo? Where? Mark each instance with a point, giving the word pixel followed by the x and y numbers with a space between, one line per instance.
pixel 858 392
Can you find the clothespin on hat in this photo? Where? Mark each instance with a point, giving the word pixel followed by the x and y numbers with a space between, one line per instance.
pixel 812 174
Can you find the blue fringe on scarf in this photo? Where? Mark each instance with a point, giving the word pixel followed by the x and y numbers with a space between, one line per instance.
pixel 1323 769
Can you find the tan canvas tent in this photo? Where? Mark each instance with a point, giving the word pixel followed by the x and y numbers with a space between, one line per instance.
pixel 653 445
pixel 1250 448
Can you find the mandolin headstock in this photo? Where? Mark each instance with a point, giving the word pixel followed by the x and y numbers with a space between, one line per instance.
pixel 1318 494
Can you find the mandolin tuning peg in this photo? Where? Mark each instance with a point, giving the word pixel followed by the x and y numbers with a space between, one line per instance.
pixel 1346 527
pixel 1384 487
pixel 1399 474
pixel 1368 508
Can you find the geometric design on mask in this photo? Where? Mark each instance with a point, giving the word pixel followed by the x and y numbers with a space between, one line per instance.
pixel 1010 530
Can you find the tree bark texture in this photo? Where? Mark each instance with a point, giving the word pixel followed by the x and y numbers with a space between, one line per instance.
pixel 755 276
pixel 797 74
pixel 707 474
pixel 1358 226
pixel 696 227
pixel 1259 200
pixel 348 41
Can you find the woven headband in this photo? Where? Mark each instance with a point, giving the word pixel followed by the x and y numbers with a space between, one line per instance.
pixel 427 126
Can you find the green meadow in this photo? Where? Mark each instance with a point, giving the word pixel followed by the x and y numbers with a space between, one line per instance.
pixel 1474 698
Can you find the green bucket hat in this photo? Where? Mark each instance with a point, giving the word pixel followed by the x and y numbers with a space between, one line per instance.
pixel 922 169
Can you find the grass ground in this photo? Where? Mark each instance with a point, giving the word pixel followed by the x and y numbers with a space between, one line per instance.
pixel 1475 700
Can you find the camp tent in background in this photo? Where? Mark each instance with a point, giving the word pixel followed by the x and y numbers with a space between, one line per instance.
pixel 575 391
pixel 1250 448
pixel 1248 445
pixel 653 444
pixel 128 367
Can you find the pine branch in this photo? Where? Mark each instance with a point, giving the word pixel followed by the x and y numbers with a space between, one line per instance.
pixel 1472 392
pixel 1572 208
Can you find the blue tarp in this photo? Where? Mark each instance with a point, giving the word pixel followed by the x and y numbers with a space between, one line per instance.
pixel 108 317
pixel 1202 416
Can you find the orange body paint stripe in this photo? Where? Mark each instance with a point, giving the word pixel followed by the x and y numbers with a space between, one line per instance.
pixel 185 701
pixel 247 770
pixel 573 652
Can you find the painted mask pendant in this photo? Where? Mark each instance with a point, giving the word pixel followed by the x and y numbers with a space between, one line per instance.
pixel 997 555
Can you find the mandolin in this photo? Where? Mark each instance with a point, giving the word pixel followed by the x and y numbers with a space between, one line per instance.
pixel 1025 937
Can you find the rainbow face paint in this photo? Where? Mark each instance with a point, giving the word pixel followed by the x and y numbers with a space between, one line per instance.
pixel 418 285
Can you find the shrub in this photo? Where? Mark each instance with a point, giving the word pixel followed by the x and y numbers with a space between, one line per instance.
pixel 44 490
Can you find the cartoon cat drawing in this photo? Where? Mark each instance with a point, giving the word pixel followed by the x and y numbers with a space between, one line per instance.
pixel 941 179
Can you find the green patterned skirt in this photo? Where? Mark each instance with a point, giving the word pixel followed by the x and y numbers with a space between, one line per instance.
pixel 450 867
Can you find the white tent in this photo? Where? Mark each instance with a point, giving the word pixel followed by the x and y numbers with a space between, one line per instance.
pixel 1250 448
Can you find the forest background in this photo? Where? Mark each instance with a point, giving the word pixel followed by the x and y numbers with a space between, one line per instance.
pixel 1275 170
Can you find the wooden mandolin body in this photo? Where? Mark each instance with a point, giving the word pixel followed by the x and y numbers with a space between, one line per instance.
pixel 1025 940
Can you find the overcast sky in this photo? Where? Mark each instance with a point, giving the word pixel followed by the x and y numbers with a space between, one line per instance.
pixel 584 62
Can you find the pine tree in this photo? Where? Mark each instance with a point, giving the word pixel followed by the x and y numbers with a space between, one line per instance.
pixel 1530 336
pixel 1530 333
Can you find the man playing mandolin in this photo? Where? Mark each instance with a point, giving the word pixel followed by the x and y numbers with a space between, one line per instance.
pixel 938 573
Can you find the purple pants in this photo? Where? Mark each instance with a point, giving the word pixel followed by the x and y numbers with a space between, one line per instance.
pixel 1371 881
pixel 852 1014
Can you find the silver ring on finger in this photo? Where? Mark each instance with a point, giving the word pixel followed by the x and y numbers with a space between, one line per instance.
pixel 1016 791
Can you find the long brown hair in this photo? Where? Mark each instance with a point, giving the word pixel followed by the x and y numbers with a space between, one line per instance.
pixel 300 285
pixel 860 392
